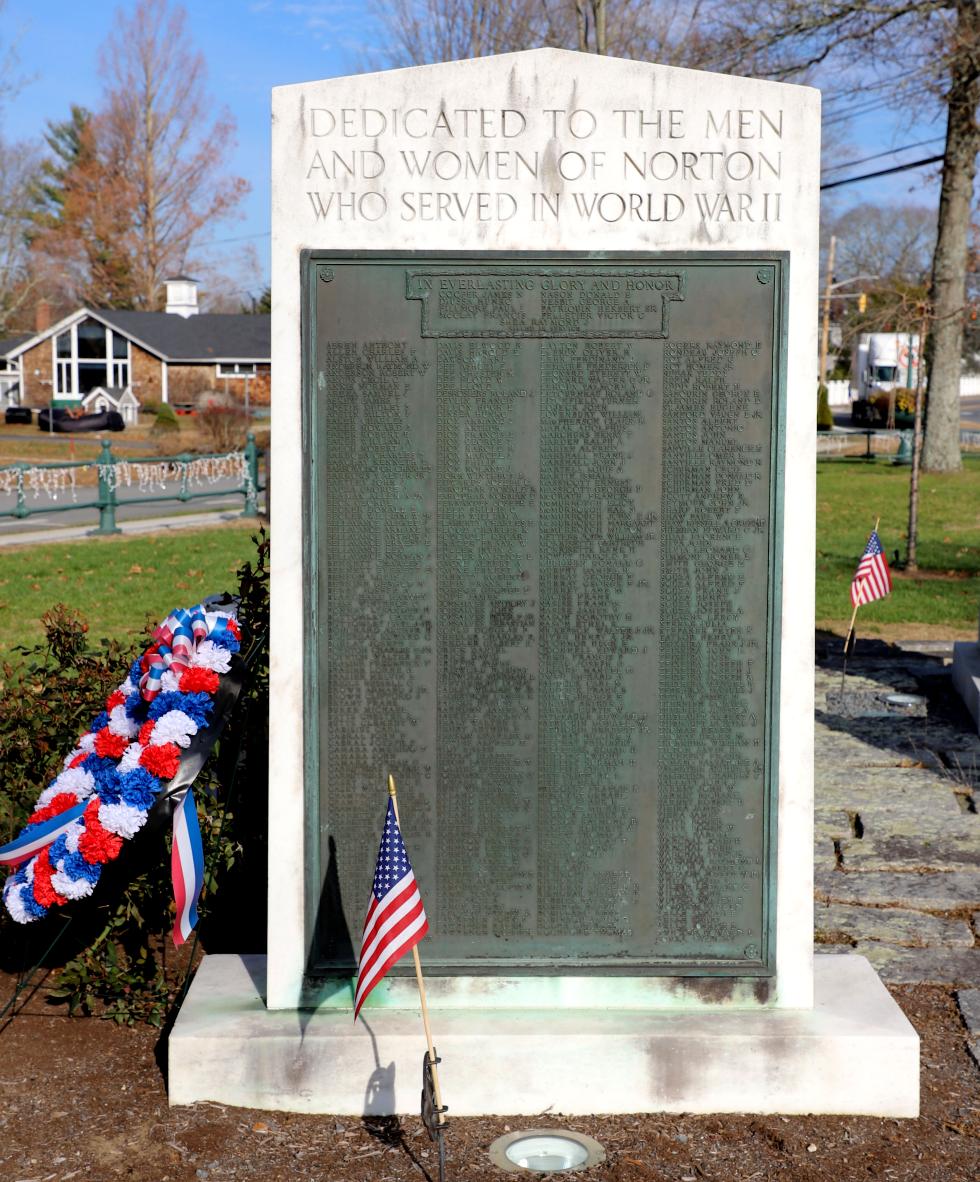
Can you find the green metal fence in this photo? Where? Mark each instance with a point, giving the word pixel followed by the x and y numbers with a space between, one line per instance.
pixel 187 471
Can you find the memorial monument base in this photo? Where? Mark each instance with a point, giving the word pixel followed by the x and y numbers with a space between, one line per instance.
pixel 853 1053
pixel 966 675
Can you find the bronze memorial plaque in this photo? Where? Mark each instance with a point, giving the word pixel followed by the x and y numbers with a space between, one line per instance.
pixel 542 519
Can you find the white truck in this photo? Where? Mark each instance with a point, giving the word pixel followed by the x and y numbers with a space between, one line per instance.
pixel 881 362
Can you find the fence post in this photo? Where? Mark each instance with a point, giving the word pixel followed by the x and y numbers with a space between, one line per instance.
pixel 252 478
pixel 107 492
pixel 22 509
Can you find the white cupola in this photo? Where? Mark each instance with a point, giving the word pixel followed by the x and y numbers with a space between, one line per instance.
pixel 182 295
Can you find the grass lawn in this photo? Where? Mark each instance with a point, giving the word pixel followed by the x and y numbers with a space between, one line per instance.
pixel 118 584
pixel 942 598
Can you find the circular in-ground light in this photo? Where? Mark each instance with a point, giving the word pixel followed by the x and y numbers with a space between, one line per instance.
pixel 545 1151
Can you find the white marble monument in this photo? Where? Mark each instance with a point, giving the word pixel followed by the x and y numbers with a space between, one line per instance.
pixel 547 151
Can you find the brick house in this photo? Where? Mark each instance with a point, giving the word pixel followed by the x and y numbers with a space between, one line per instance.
pixel 179 356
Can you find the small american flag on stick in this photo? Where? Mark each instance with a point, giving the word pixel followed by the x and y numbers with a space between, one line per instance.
pixel 872 579
pixel 396 918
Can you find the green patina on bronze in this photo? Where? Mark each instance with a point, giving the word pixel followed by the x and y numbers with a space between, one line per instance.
pixel 542 518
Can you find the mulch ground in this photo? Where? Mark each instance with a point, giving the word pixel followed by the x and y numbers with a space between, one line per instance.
pixel 85 1099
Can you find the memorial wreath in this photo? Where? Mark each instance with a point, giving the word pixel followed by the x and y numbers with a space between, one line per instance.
pixel 121 767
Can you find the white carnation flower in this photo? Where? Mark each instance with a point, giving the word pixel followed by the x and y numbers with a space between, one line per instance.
pixel 174 727
pixel 130 758
pixel 73 755
pixel 13 899
pixel 209 655
pixel 72 835
pixel 127 687
pixel 87 742
pixel 121 819
pixel 121 724
pixel 71 888
pixel 170 682
pixel 73 779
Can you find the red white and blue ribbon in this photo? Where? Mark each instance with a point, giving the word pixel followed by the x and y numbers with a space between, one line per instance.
pixel 186 867
pixel 120 768
pixel 39 837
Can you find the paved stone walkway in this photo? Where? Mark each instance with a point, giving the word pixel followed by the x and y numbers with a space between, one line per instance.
pixel 897 827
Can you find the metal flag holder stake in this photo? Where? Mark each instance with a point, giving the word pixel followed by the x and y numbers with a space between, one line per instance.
pixel 433 1114
pixel 433 1109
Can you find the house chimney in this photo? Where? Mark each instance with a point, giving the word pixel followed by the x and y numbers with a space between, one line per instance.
pixel 182 296
pixel 42 316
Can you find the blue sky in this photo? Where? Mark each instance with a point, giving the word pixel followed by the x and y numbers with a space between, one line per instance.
pixel 252 45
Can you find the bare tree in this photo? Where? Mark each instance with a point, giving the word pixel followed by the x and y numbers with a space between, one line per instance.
pixel 894 243
pixel 941 40
pixel 416 32
pixel 148 179
pixel 18 163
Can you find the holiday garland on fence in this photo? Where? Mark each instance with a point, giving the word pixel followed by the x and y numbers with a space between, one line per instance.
pixel 121 767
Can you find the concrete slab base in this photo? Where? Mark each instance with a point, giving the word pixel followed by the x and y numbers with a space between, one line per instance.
pixel 853 1053
pixel 966 675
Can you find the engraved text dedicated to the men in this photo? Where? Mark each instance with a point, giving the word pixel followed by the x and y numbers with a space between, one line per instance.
pixel 545 510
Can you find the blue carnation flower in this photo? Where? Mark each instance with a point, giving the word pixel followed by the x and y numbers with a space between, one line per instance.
pixel 105 773
pixel 77 867
pixel 58 850
pixel 31 905
pixel 100 721
pixel 135 707
pixel 139 788
pixel 196 706
pixel 226 640
pixel 136 671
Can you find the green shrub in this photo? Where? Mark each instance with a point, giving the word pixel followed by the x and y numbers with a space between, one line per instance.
pixel 825 417
pixel 113 957
pixel 166 421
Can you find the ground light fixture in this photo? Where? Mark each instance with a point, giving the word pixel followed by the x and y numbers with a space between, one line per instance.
pixel 545 1151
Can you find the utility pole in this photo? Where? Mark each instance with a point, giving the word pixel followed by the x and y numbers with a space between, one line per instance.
pixel 825 334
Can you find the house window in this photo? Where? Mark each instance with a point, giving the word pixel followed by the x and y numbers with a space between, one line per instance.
pixel 88 355
pixel 236 369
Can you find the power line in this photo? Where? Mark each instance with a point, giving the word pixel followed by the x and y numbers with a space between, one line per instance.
pixel 875 105
pixel 241 238
pixel 867 176
pixel 877 156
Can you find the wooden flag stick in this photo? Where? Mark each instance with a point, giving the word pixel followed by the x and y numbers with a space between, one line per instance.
pixel 421 983
pixel 850 629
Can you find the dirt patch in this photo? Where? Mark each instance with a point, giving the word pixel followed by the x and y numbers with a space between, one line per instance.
pixel 84 1099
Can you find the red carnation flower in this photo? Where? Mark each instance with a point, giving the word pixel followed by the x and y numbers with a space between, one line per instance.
pixel 146 730
pixel 79 758
pixel 108 745
pixel 196 680
pixel 44 892
pixel 116 698
pixel 61 802
pixel 97 844
pixel 162 760
pixel 234 629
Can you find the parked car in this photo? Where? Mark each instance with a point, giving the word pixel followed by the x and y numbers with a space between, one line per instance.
pixel 17 414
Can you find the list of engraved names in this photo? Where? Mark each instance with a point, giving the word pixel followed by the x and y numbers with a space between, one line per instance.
pixel 544 495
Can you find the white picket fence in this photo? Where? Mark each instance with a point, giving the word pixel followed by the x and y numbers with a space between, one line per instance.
pixel 838 393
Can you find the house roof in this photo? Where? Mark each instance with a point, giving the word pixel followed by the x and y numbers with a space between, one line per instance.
pixel 207 337
pixel 8 344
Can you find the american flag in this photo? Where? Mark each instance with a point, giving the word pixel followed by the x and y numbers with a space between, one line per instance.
pixel 872 579
pixel 396 918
